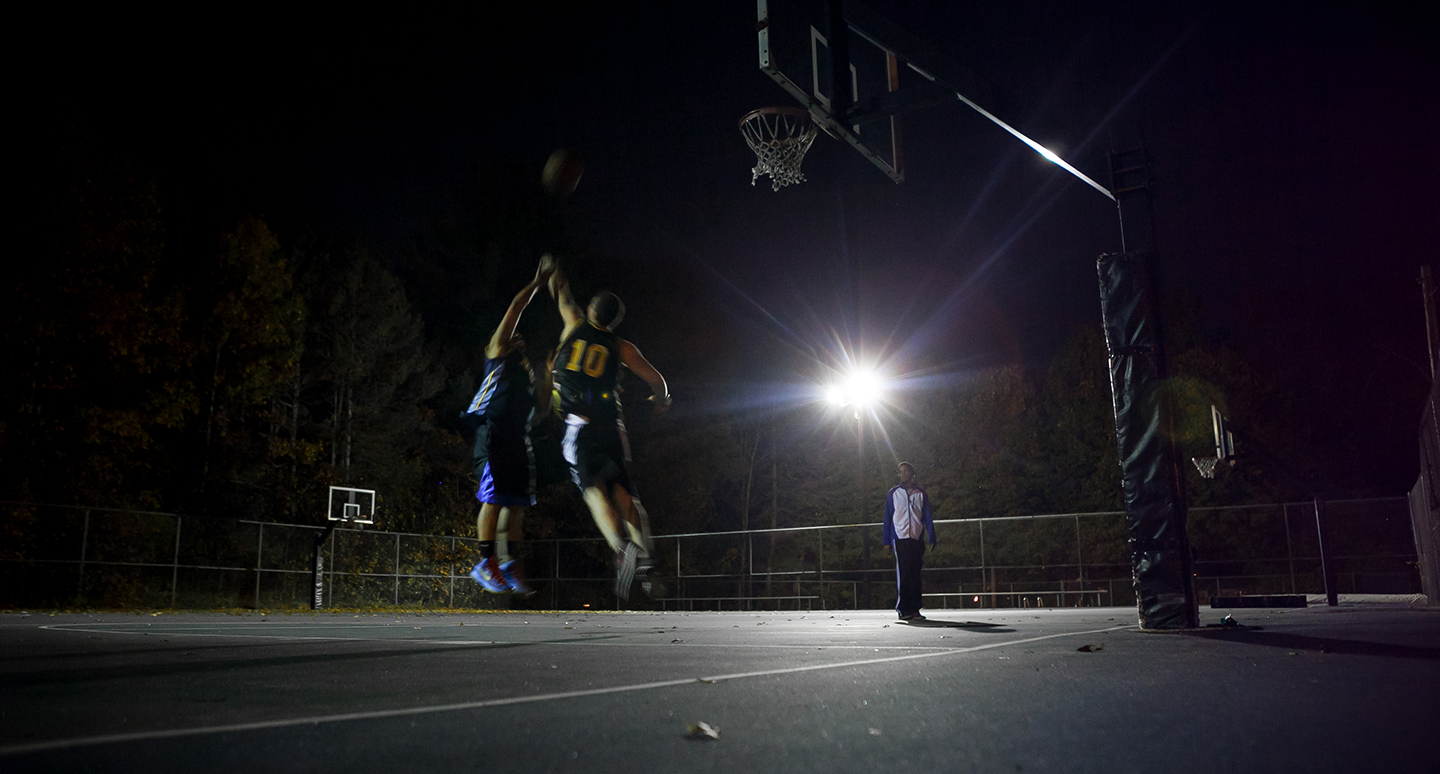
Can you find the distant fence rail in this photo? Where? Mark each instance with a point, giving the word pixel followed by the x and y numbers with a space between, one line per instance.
pixel 60 556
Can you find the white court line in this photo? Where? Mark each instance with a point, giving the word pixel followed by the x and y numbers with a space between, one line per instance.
pixel 316 720
pixel 427 641
pixel 171 633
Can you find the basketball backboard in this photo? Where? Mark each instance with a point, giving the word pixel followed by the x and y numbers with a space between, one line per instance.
pixel 356 506
pixel 1224 437
pixel 884 71
pixel 800 51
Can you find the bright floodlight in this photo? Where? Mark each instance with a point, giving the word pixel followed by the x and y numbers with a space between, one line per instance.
pixel 860 388
pixel 864 387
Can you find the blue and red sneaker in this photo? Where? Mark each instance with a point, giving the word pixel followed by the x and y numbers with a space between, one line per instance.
pixel 510 571
pixel 487 574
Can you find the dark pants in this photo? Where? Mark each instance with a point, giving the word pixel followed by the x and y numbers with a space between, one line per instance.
pixel 909 557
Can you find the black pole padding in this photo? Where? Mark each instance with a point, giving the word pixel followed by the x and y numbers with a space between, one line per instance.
pixel 317 568
pixel 1327 564
pixel 1155 511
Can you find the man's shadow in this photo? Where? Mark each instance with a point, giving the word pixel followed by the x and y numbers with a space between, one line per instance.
pixel 974 626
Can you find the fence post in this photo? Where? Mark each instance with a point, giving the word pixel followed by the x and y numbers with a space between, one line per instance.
pixel 555 586
pixel 820 567
pixel 1289 549
pixel 259 552
pixel 865 565
pixel 334 563
pixel 1327 567
pixel 451 572
pixel 397 569
pixel 750 570
pixel 984 584
pixel 84 545
pixel 1079 554
pixel 175 564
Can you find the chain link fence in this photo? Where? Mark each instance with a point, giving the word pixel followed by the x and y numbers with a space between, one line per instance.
pixel 61 556
pixel 1425 497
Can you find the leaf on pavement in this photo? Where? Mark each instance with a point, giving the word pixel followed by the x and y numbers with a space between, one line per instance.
pixel 702 730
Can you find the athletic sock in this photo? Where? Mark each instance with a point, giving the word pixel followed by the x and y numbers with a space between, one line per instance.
pixel 638 538
pixel 505 548
pixel 487 549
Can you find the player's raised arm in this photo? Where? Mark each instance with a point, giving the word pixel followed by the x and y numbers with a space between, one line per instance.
pixel 636 362
pixel 543 386
pixel 572 313
pixel 503 339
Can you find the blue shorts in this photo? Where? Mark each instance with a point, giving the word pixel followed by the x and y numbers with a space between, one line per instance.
pixel 505 465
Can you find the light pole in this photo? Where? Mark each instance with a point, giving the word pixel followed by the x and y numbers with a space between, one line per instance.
pixel 859 390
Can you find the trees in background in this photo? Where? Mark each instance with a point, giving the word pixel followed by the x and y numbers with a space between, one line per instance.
pixel 244 375
pixel 249 332
pixel 236 376
pixel 97 369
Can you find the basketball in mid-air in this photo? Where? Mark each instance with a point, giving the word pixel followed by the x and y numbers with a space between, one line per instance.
pixel 562 173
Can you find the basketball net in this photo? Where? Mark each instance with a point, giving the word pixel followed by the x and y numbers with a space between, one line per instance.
pixel 779 136
pixel 1206 465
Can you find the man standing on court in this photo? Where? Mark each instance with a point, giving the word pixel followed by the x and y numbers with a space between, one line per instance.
pixel 907 524
pixel 586 376
pixel 504 461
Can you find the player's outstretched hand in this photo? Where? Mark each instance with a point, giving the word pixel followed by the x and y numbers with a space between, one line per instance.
pixel 661 403
pixel 545 269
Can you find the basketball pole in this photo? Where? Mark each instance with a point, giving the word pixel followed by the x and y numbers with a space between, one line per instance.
pixel 317 571
pixel 1155 501
pixel 1432 332
pixel 1156 505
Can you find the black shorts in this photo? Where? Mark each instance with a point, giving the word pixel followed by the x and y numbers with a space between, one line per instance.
pixel 598 453
pixel 504 464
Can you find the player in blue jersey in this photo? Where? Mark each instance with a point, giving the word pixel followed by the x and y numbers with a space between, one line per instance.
pixel 586 378
pixel 504 462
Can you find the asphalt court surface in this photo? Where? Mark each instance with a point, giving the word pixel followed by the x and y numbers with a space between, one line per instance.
pixel 1354 688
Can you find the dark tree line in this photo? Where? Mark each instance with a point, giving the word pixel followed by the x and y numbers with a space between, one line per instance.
pixel 241 372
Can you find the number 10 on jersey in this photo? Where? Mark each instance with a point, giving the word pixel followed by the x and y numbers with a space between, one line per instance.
pixel 590 359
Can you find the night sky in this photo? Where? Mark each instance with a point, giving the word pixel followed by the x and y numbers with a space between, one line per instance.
pixel 1297 173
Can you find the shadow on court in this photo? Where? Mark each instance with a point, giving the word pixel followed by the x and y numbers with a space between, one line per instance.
pixel 975 626
pixel 1299 642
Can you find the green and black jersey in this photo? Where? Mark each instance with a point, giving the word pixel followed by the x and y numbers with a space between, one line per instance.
pixel 587 373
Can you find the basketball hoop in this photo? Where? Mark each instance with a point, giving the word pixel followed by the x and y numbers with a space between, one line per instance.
pixel 779 136
pixel 1206 465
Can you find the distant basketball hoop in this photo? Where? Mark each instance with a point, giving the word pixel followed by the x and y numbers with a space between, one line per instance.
pixel 1224 445
pixel 347 505
pixel 354 506
pixel 780 136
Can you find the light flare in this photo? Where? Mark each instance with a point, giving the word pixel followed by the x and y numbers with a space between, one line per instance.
pixel 861 387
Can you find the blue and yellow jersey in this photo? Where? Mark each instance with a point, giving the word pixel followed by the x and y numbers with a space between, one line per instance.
pixel 506 394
